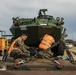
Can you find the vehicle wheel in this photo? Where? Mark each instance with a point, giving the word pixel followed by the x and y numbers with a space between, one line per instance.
pixel 60 49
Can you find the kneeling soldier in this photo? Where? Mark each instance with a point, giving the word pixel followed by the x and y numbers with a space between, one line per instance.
pixel 45 46
pixel 18 48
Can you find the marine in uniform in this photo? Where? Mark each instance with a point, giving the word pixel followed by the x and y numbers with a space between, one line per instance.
pixel 45 46
pixel 18 48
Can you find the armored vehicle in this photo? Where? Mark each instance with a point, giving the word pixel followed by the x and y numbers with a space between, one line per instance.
pixel 37 27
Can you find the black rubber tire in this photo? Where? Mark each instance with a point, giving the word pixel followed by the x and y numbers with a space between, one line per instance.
pixel 58 50
pixel 61 49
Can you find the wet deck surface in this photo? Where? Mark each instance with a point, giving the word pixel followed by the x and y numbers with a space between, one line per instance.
pixel 40 67
pixel 38 73
pixel 44 65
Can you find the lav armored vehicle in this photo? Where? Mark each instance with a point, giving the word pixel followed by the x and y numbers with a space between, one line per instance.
pixel 37 27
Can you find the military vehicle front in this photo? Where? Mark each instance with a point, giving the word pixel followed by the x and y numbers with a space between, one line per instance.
pixel 37 27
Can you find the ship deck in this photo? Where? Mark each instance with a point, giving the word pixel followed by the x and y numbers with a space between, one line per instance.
pixel 41 64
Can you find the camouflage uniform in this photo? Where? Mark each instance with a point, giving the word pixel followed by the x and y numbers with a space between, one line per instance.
pixel 45 53
pixel 23 52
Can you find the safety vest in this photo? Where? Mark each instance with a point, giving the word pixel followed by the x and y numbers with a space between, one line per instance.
pixel 46 42
pixel 13 46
